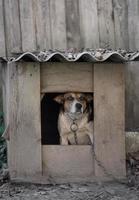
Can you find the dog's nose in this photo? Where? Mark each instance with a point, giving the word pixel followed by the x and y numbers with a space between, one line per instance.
pixel 78 106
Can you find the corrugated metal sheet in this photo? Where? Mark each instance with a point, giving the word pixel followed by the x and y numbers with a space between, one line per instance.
pixel 100 55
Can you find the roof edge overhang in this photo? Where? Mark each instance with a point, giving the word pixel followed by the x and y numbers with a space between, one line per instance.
pixel 88 55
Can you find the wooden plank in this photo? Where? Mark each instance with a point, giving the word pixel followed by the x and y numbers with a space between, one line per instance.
pixel 2 32
pixel 58 24
pixel 1 87
pixel 121 24
pixel 68 163
pixel 63 77
pixel 12 26
pixel 27 25
pixel 132 96
pixel 133 27
pixel 5 92
pixel 41 14
pixel 73 24
pixel 109 124
pixel 106 24
pixel 89 24
pixel 24 118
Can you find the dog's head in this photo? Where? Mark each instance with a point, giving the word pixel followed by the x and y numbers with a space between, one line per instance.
pixel 74 103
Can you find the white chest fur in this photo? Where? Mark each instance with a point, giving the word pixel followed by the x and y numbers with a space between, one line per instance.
pixel 84 132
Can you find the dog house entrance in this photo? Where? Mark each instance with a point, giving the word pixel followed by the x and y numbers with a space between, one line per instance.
pixel 63 161
pixel 49 122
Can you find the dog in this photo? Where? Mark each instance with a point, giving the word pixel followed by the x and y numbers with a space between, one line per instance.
pixel 75 123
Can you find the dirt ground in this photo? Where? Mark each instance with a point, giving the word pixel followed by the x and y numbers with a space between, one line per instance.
pixel 127 190
pixel 93 191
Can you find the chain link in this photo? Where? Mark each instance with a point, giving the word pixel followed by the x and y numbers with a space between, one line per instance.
pixel 106 172
pixel 99 163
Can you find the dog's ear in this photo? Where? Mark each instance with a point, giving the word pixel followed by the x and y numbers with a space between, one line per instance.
pixel 59 99
pixel 89 97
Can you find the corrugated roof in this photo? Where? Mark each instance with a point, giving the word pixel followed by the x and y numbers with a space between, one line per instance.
pixel 86 55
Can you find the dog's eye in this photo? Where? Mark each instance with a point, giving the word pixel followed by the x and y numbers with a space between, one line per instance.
pixel 81 98
pixel 70 98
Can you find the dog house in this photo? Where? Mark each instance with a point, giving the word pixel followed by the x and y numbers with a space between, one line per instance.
pixel 30 81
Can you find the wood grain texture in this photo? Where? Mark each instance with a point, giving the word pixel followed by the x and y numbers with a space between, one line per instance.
pixel 89 32
pixel 106 24
pixel 27 25
pixel 24 119
pixel 132 96
pixel 61 163
pixel 41 13
pixel 2 31
pixel 133 26
pixel 121 24
pixel 12 26
pixel 63 77
pixel 109 119
pixel 58 24
pixel 72 24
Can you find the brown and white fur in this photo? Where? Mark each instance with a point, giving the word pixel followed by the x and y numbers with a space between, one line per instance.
pixel 75 108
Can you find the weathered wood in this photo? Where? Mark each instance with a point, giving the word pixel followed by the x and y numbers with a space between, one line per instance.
pixel 12 26
pixel 72 24
pixel 24 120
pixel 27 25
pixel 109 124
pixel 106 24
pixel 121 24
pixel 75 76
pixel 58 24
pixel 133 27
pixel 2 32
pixel 89 32
pixel 5 91
pixel 132 96
pixel 0 88
pixel 41 13
pixel 68 163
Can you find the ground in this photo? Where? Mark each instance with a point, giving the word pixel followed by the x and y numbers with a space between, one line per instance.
pixel 93 191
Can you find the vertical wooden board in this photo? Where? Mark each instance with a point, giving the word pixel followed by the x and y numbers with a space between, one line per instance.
pixel 27 25
pixel 109 112
pixel 24 119
pixel 5 92
pixel 89 24
pixel 106 24
pixel 0 87
pixel 58 24
pixel 12 26
pixel 73 24
pixel 2 32
pixel 132 96
pixel 121 24
pixel 133 26
pixel 41 14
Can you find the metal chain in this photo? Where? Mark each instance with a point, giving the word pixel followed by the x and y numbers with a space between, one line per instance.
pixel 108 174
pixel 74 128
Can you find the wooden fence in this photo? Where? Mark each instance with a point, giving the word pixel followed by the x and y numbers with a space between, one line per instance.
pixel 34 25
pixel 30 25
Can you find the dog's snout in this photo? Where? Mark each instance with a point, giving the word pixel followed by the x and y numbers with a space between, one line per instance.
pixel 78 106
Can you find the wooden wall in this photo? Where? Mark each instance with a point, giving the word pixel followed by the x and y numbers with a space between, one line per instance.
pixel 31 25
